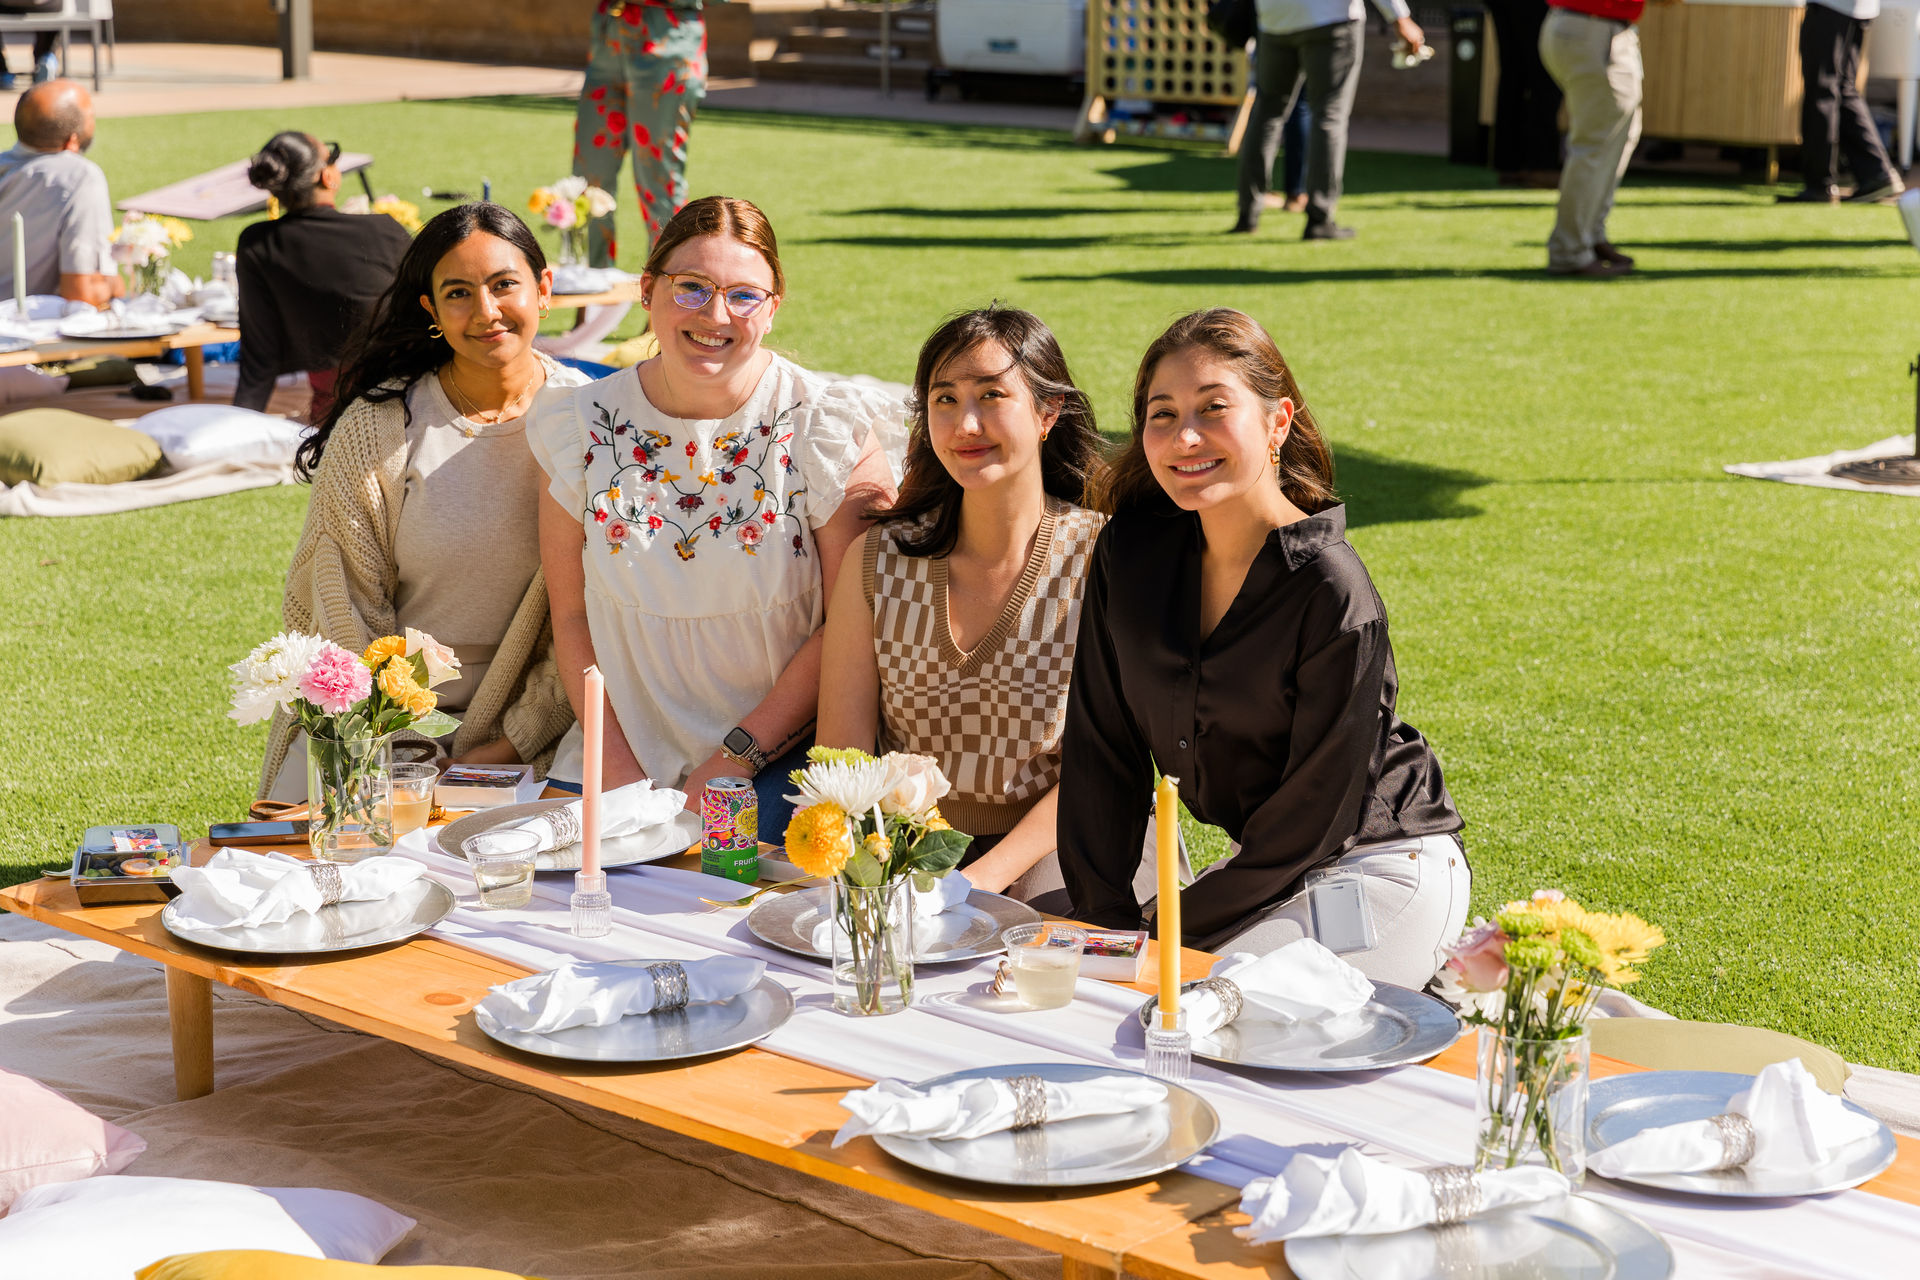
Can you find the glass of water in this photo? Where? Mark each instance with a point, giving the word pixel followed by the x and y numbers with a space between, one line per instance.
pixel 1045 959
pixel 503 867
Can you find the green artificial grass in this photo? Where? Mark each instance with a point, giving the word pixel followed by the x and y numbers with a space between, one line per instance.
pixel 1655 686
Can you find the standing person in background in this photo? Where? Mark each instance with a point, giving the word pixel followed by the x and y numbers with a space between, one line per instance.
pixel 46 178
pixel 1591 48
pixel 1311 47
pixel 1832 113
pixel 45 64
pixel 308 279
pixel 646 75
pixel 1526 113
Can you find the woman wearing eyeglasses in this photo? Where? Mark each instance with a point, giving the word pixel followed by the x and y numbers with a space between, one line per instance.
pixel 309 278
pixel 698 510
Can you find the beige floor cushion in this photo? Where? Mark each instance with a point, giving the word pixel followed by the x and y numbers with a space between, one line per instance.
pixel 59 446
pixel 1670 1044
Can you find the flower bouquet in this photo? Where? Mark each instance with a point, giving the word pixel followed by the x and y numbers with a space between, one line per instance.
pixel 143 244
pixel 404 212
pixel 873 827
pixel 1529 979
pixel 350 708
pixel 566 206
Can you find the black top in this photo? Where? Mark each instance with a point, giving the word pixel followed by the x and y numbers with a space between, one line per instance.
pixel 1279 725
pixel 308 281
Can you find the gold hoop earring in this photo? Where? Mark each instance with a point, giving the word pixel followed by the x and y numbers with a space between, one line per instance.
pixel 543 312
pixel 1273 451
pixel 435 331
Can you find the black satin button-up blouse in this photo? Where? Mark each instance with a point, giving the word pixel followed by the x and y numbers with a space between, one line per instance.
pixel 1280 725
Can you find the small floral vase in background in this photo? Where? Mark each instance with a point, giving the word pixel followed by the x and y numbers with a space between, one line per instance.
pixel 349 798
pixel 1530 1102
pixel 573 247
pixel 873 947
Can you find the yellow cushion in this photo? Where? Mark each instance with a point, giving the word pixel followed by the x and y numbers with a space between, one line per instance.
pixel 253 1264
pixel 58 446
pixel 1671 1044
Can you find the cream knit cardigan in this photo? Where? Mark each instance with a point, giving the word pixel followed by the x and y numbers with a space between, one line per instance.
pixel 342 581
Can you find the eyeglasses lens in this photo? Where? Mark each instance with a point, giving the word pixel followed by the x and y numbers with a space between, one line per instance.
pixel 694 293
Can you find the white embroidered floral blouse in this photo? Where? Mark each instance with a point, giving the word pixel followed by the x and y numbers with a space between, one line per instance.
pixel 702 579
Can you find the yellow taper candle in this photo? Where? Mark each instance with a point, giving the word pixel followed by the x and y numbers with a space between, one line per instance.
pixel 591 731
pixel 1166 821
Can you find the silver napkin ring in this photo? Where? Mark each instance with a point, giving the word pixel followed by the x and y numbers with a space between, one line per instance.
pixel 1230 998
pixel 1029 1101
pixel 327 876
pixel 565 822
pixel 1456 1195
pixel 1002 983
pixel 1736 1133
pixel 669 986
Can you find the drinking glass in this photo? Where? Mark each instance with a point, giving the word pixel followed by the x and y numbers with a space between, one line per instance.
pixel 412 795
pixel 1045 959
pixel 503 867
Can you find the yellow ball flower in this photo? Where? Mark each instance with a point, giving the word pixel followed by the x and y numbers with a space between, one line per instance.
pixel 935 822
pixel 421 701
pixel 879 846
pixel 818 839
pixel 382 649
pixel 397 682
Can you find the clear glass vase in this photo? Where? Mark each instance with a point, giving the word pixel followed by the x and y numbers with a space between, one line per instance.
pixel 873 947
pixel 1530 1103
pixel 349 799
pixel 573 247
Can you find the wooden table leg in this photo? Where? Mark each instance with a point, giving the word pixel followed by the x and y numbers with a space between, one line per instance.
pixel 190 1011
pixel 1074 1269
pixel 196 372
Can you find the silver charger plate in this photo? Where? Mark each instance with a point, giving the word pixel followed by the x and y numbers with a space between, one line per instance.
pixel 1090 1151
pixel 1621 1106
pixel 1396 1027
pixel 664 841
pixel 788 920
pixel 1573 1239
pixel 14 344
pixel 693 1032
pixel 150 329
pixel 345 926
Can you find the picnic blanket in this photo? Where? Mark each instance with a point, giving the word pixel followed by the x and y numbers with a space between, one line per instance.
pixel 498 1175
pixel 1813 471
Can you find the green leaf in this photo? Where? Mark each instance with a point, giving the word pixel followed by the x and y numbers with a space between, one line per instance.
pixel 939 851
pixel 419 661
pixel 864 870
pixel 435 724
pixel 923 881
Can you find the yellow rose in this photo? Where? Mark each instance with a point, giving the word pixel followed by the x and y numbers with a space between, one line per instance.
pixel 397 682
pixel 879 846
pixel 819 840
pixel 935 822
pixel 421 701
pixel 382 649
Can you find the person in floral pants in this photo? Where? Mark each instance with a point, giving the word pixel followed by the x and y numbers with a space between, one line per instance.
pixel 646 75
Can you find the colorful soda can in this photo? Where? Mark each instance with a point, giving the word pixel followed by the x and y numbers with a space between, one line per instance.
pixel 730 814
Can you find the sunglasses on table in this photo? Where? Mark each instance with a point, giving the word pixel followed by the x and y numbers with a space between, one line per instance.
pixel 694 292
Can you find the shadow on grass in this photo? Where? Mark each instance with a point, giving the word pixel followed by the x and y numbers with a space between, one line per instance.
pixel 1012 243
pixel 1379 489
pixel 1245 276
pixel 1010 214
pixel 1765 246
pixel 1547 200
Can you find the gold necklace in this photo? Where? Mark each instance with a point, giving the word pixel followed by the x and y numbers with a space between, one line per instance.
pixel 471 411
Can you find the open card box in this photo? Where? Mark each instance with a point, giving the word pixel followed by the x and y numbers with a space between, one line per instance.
pixel 127 864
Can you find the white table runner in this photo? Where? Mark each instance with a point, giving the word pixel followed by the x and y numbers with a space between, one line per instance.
pixel 1415 1116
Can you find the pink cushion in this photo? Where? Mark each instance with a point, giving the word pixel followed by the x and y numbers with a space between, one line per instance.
pixel 45 1138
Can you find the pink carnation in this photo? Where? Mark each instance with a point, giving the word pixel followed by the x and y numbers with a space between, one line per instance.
pixel 1480 958
pixel 335 680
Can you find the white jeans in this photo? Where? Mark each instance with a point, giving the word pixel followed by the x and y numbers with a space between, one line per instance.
pixel 1416 890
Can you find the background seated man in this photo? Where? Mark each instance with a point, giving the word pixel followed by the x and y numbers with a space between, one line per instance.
pixel 61 195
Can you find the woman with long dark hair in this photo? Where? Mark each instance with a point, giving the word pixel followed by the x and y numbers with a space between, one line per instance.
pixel 951 629
pixel 425 495
pixel 309 278
pixel 1232 639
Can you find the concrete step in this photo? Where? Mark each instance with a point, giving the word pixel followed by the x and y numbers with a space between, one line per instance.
pixel 824 69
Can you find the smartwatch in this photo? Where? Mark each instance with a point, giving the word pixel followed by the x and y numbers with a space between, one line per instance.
pixel 739 744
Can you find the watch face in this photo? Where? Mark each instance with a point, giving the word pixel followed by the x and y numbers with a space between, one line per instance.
pixel 740 742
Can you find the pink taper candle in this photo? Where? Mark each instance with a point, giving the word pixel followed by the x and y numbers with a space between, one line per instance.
pixel 1166 818
pixel 592 729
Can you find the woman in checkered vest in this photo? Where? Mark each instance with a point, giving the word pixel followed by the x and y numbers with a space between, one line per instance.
pixel 951 629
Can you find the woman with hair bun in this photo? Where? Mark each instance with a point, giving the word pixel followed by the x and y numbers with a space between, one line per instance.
pixel 1231 638
pixel 309 278
pixel 425 502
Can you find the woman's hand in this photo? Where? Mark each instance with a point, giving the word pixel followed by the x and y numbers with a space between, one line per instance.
pixel 714 766
pixel 499 751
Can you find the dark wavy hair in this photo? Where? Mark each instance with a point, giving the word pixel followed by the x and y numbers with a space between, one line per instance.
pixel 929 495
pixel 1306 464
pixel 395 350
pixel 289 168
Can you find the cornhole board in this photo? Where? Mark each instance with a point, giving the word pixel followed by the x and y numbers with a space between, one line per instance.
pixel 223 192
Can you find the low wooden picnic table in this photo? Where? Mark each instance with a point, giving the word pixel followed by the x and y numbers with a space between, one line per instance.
pixel 191 341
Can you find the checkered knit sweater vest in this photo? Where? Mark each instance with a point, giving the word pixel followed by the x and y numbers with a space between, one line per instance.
pixel 991 716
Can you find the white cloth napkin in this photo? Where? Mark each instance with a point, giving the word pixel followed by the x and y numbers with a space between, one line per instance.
pixel 623 811
pixel 1797 1125
pixel 974 1108
pixel 1301 982
pixel 241 890
pixel 1352 1194
pixel 935 919
pixel 573 278
pixel 598 993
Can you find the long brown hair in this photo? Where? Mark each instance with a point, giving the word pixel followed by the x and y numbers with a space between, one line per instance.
pixel 727 216
pixel 929 495
pixel 1305 466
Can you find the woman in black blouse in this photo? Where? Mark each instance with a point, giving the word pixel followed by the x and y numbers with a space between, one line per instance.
pixel 309 278
pixel 1231 637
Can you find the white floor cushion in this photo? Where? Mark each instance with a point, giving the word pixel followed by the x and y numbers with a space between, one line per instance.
pixel 192 434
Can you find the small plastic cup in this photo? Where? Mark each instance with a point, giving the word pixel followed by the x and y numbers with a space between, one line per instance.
pixel 503 867
pixel 412 795
pixel 1045 959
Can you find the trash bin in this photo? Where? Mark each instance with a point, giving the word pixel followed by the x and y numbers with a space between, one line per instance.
pixel 1467 138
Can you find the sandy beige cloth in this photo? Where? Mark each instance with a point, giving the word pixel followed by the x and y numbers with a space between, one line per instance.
pixel 209 480
pixel 497 1175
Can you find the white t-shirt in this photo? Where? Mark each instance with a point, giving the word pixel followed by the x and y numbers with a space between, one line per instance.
pixel 702 577
pixel 61 197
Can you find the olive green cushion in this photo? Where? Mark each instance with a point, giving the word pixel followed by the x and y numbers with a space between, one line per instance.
pixel 59 446
pixel 1669 1044
pixel 95 371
